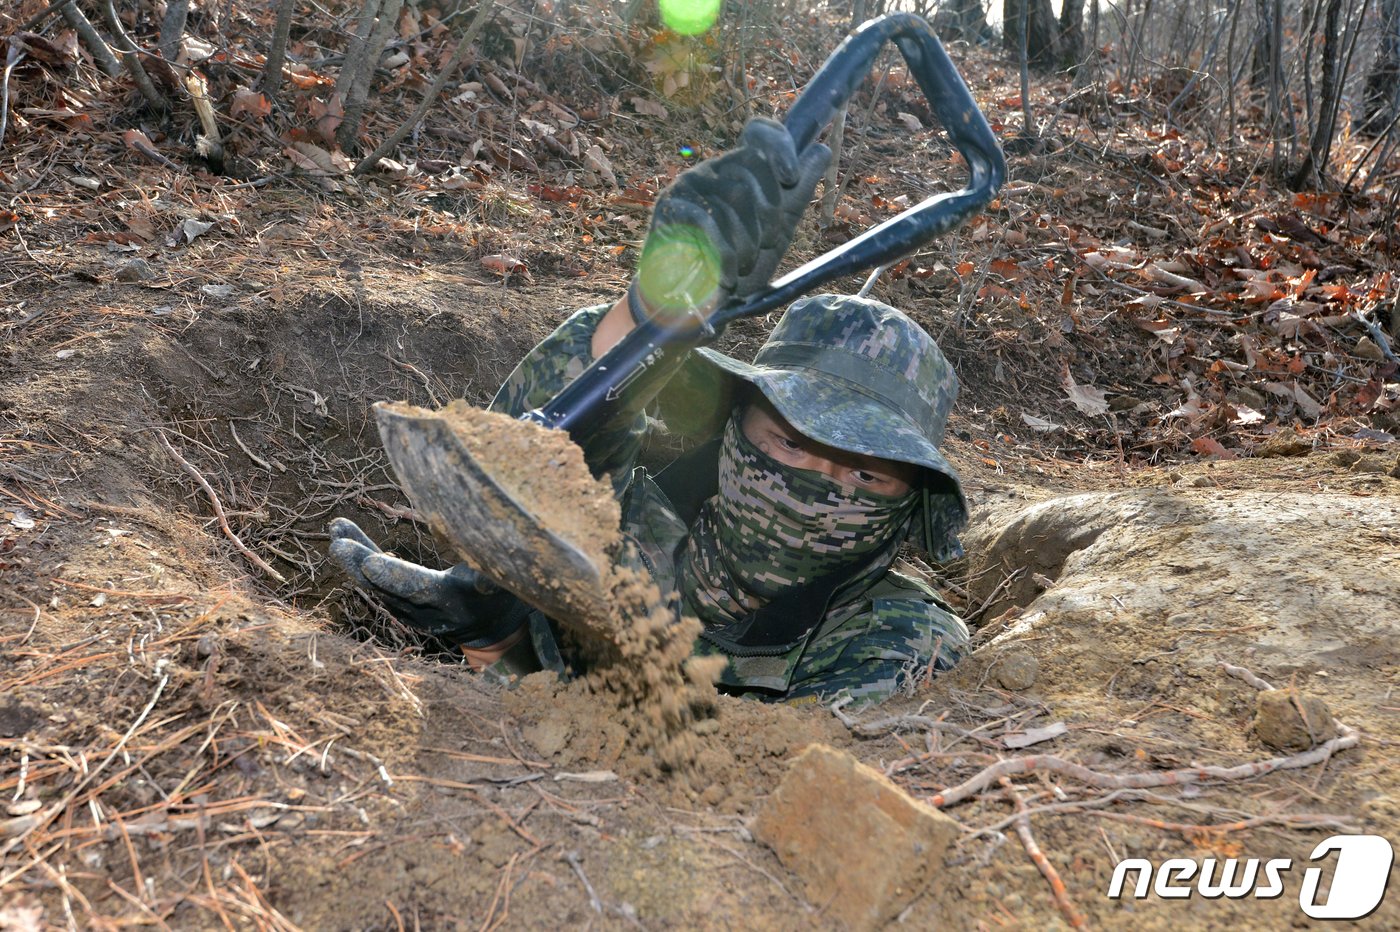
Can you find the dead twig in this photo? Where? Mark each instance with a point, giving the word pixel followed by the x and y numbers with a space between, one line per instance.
pixel 492 921
pixel 219 511
pixel 1022 824
pixel 881 726
pixel 483 12
pixel 13 56
pixel 574 862
pixel 422 377
pixel 1077 807
pixel 247 452
pixel 1376 335
pixel 140 143
pixel 1046 762
pixel 131 57
pixel 49 814
pixel 33 22
pixel 995 594
pixel 738 856
pixel 1247 676
pixel 101 51
pixel 1304 820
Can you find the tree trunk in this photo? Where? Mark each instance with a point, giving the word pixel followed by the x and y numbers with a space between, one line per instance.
pixel 1380 99
pixel 1266 50
pixel 357 94
pixel 1071 38
pixel 1320 145
pixel 277 52
pixel 1041 31
pixel 963 19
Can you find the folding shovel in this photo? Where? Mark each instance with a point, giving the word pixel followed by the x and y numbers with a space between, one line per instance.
pixel 447 482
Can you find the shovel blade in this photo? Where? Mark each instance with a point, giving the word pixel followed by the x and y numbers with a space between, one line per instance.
pixel 489 528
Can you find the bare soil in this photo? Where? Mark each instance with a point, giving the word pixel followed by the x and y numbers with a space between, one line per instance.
pixel 207 744
pixel 189 741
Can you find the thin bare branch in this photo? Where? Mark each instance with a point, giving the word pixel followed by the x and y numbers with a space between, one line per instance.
pixel 131 57
pixel 483 14
pixel 277 54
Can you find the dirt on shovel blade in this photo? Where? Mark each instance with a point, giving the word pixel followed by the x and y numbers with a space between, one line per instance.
pixel 516 501
pixel 544 471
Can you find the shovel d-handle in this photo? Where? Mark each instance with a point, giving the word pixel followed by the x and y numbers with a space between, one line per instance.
pixel 639 361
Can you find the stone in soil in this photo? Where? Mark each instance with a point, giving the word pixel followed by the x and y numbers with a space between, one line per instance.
pixel 1017 670
pixel 1286 442
pixel 862 846
pixel 1287 720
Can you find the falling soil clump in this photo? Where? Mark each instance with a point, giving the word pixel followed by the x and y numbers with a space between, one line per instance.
pixel 639 654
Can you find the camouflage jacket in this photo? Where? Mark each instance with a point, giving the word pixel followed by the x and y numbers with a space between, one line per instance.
pixel 868 644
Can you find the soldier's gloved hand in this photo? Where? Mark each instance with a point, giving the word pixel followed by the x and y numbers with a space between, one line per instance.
pixel 722 227
pixel 457 605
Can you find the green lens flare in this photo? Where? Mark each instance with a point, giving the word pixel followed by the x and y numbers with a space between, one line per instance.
pixel 689 17
pixel 679 272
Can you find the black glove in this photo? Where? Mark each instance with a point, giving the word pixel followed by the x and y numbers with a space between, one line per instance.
pixel 722 227
pixel 457 605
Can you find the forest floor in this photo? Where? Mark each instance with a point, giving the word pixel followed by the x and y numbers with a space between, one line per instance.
pixel 1179 446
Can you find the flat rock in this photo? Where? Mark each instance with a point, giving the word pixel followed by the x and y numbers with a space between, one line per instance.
pixel 862 847
pixel 1285 442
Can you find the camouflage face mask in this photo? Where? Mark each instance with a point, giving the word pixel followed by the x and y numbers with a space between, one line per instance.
pixel 773 527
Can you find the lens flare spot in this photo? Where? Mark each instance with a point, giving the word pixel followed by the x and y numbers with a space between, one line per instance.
pixel 679 272
pixel 687 152
pixel 689 17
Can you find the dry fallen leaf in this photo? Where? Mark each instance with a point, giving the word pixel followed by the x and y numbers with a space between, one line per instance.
pixel 1088 400
pixel 504 265
pixel 911 122
pixel 1161 273
pixel 188 230
pixel 648 107
pixel 595 162
pixel 1306 403
pixel 1245 415
pixel 1024 739
pixel 1209 446
pixel 316 160
pixel 249 102
pixel 305 79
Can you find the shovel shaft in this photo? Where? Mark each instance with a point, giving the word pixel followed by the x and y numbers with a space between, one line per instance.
pixel 639 364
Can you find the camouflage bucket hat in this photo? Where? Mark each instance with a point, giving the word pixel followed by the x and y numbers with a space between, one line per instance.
pixel 860 376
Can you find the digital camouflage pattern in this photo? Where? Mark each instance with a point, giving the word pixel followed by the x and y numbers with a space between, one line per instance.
pixel 855 374
pixel 772 528
pixel 883 627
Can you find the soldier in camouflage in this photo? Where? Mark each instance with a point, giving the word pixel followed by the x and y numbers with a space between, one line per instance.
pixel 781 530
